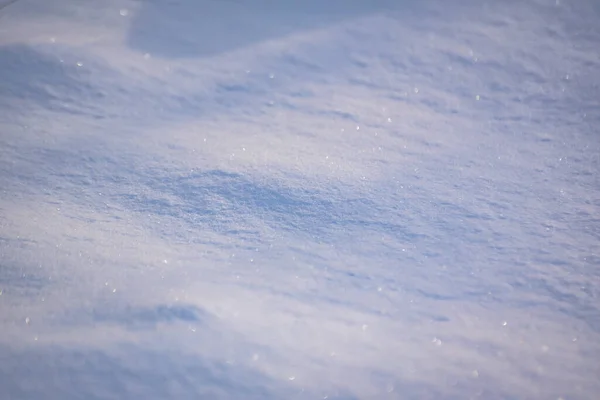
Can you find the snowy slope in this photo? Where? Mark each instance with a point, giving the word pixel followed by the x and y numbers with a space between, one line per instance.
pixel 239 199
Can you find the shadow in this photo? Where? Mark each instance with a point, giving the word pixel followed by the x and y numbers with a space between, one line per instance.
pixel 138 317
pixel 134 372
pixel 6 3
pixel 43 79
pixel 231 203
pixel 127 372
pixel 191 28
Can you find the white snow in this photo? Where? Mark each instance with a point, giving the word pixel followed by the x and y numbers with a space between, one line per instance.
pixel 333 185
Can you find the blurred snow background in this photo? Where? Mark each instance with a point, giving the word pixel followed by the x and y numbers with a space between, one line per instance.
pixel 238 199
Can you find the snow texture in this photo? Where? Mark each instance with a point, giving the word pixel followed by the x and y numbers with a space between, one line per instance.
pixel 261 199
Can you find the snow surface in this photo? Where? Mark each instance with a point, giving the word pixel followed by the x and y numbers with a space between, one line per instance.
pixel 261 199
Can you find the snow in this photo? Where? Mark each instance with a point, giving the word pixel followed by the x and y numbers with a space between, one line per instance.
pixel 299 199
